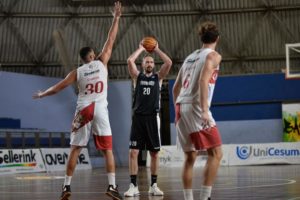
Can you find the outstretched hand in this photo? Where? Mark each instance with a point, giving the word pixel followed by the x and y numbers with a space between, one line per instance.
pixel 37 95
pixel 117 9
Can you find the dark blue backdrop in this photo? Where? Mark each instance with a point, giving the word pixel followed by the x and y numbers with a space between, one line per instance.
pixel 249 97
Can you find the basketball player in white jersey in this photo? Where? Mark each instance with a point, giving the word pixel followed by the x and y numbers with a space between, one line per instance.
pixel 91 113
pixel 195 126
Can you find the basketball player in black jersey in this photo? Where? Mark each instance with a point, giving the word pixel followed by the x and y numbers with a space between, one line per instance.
pixel 145 121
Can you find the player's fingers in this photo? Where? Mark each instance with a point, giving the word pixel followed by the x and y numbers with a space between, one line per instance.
pixel 118 7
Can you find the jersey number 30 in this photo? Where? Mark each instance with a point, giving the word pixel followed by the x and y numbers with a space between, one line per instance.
pixel 97 88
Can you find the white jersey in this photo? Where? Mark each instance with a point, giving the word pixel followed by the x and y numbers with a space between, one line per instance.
pixel 190 73
pixel 92 83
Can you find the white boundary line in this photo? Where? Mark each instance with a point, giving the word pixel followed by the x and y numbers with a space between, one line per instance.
pixel 288 182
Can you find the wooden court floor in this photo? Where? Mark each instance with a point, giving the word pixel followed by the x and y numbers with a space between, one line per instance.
pixel 280 182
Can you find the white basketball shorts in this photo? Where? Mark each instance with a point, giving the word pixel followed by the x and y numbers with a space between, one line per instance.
pixel 92 118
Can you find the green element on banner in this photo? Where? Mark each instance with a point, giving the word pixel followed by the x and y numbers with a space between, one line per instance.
pixel 19 165
pixel 291 127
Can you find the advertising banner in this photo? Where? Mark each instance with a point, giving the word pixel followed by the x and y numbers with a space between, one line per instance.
pixel 14 161
pixel 171 156
pixel 56 159
pixel 237 154
pixel 258 154
pixel 291 122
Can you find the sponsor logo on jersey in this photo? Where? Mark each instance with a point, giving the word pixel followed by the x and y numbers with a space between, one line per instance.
pixel 92 72
pixel 151 83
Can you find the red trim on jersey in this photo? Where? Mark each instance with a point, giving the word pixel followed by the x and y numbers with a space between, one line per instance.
pixel 177 113
pixel 103 142
pixel 83 117
pixel 206 139
pixel 214 77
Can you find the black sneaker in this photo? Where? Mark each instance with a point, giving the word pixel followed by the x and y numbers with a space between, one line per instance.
pixel 66 192
pixel 113 192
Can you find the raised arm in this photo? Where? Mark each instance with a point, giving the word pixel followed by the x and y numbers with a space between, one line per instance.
pixel 104 56
pixel 68 80
pixel 166 66
pixel 133 71
pixel 212 61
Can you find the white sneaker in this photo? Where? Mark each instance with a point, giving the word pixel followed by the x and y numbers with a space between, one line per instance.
pixel 132 191
pixel 155 191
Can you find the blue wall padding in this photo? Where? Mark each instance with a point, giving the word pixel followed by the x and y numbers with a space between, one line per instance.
pixel 249 97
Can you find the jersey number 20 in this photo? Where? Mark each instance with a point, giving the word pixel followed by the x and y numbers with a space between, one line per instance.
pixel 97 88
pixel 146 91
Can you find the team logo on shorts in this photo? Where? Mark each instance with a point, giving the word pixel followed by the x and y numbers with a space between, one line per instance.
pixel 133 143
pixel 77 122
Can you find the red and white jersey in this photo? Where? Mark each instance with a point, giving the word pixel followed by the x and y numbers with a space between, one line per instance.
pixel 190 73
pixel 92 83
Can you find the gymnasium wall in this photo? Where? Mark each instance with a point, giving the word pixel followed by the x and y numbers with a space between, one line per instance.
pixel 248 108
pixel 55 113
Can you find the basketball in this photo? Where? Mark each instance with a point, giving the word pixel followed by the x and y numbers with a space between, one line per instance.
pixel 149 43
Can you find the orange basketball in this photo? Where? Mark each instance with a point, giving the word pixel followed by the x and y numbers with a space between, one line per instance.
pixel 149 43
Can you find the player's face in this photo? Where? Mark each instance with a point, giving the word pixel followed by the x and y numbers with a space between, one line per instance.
pixel 90 56
pixel 148 64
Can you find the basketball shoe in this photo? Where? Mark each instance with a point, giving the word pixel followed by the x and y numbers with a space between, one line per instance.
pixel 113 192
pixel 66 192
pixel 155 191
pixel 132 191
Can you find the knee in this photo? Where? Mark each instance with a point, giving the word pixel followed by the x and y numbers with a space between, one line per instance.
pixel 75 150
pixel 106 153
pixel 218 155
pixel 154 155
pixel 190 158
pixel 133 153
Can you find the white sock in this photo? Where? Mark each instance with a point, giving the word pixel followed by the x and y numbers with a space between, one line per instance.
pixel 111 179
pixel 188 194
pixel 67 180
pixel 205 192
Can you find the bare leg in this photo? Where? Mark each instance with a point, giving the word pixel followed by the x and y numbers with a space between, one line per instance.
pixel 110 161
pixel 187 173
pixel 133 170
pixel 133 161
pixel 154 162
pixel 212 165
pixel 72 161
pixel 70 168
pixel 112 190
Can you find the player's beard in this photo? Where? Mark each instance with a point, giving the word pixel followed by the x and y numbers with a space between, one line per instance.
pixel 149 70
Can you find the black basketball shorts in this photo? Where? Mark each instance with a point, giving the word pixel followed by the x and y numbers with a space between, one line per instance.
pixel 145 132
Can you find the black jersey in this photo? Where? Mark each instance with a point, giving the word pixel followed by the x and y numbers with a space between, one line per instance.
pixel 146 95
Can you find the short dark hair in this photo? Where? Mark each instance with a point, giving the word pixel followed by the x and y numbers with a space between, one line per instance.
pixel 84 51
pixel 148 55
pixel 208 32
